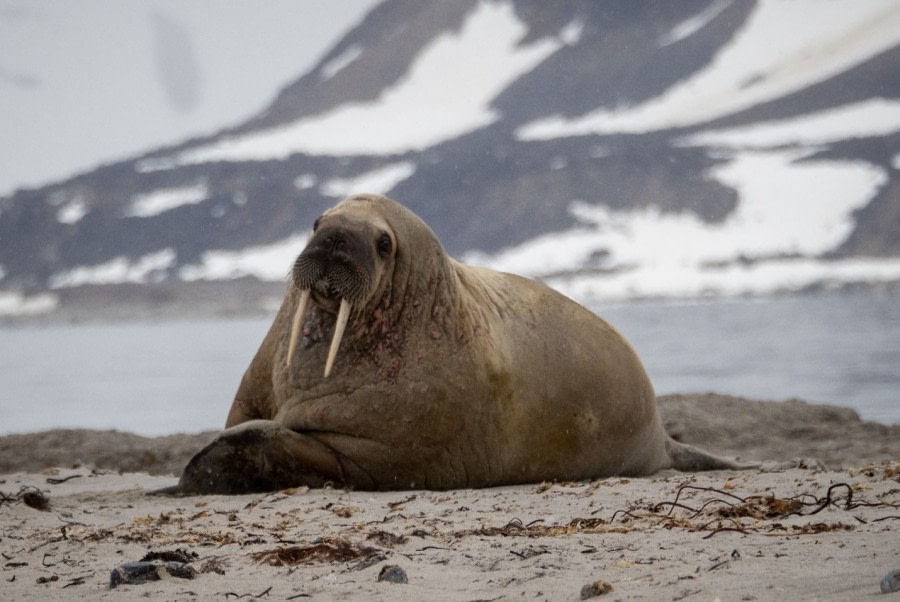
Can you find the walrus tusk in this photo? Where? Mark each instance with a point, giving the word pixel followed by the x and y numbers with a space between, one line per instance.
pixel 295 325
pixel 343 315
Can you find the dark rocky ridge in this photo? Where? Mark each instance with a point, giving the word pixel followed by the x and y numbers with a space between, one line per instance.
pixel 485 190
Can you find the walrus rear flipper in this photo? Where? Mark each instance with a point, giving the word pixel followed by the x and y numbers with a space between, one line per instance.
pixel 691 459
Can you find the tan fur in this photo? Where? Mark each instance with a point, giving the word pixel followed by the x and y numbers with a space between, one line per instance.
pixel 448 376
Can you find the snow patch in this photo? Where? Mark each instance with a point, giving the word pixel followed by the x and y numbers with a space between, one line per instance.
pixel 786 208
pixel 784 46
pixel 305 181
pixel 550 253
pixel 771 277
pixel 331 68
pixel 165 199
pixel 558 162
pixel 152 164
pixel 73 211
pixel 446 93
pixel 690 26
pixel 377 181
pixel 873 117
pixel 571 33
pixel 117 271
pixel 18 304
pixel 267 262
pixel 791 206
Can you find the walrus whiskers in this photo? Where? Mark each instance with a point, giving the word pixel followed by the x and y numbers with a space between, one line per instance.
pixel 343 316
pixel 295 325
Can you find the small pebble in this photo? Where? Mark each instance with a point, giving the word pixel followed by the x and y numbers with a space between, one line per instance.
pixel 597 588
pixel 392 574
pixel 891 582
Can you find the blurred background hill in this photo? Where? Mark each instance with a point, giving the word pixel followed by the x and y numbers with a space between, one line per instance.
pixel 616 149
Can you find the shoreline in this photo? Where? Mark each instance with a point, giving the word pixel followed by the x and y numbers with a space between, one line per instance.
pixel 768 431
pixel 249 298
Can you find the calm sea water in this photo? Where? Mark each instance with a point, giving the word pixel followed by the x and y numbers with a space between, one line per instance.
pixel 175 376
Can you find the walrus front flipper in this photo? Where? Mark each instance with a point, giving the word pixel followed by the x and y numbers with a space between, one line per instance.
pixel 692 459
pixel 259 456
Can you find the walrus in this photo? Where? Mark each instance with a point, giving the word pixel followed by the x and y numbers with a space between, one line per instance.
pixel 392 366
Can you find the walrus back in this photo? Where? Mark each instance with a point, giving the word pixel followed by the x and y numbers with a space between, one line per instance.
pixel 579 388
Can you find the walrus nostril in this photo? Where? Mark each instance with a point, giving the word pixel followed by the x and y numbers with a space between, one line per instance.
pixel 336 242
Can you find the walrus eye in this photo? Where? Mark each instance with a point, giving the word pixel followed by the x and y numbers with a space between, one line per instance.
pixel 384 244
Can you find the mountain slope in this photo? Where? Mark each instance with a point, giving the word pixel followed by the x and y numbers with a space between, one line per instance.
pixel 614 149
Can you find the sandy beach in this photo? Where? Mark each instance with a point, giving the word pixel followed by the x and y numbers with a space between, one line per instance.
pixel 819 521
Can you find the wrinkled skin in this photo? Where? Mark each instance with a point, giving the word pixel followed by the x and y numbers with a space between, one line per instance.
pixel 447 376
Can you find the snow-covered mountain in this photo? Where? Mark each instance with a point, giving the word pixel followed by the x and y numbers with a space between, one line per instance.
pixel 614 149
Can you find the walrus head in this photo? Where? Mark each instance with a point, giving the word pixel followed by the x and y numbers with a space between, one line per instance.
pixel 340 269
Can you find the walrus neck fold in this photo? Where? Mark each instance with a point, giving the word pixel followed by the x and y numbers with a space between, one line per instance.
pixel 339 327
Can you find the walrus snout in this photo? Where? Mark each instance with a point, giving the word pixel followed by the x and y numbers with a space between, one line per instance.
pixel 335 245
pixel 335 269
pixel 338 263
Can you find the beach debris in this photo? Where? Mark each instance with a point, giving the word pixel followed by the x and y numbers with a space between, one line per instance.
pixel 891 582
pixel 723 512
pixel 132 573
pixel 165 564
pixel 74 582
pixel 530 552
pixel 30 496
pixel 762 507
pixel 368 561
pixel 342 511
pixel 322 550
pixel 213 565
pixel 54 481
pixel 262 594
pixel 397 505
pixel 179 555
pixel 515 527
pixel 597 588
pixel 386 539
pixel 35 499
pixel 392 574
